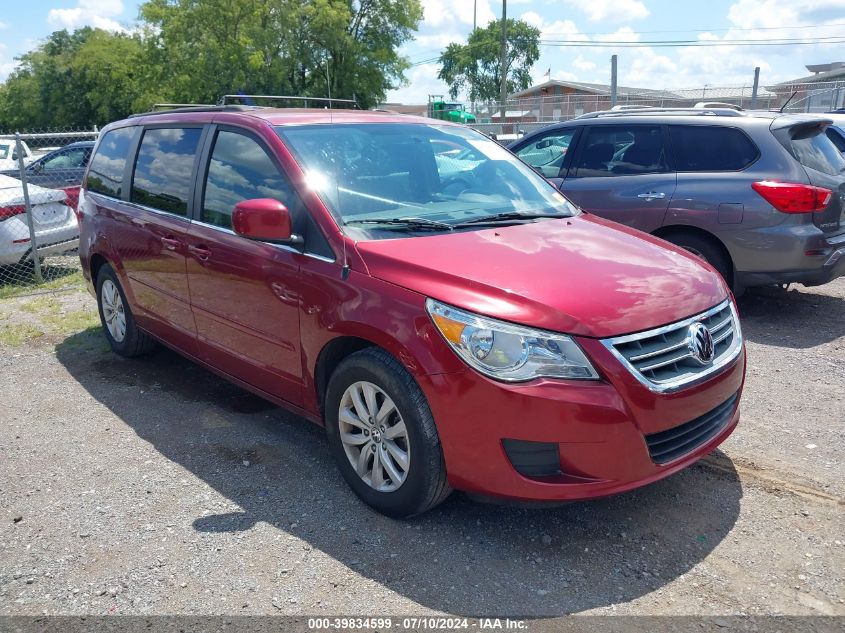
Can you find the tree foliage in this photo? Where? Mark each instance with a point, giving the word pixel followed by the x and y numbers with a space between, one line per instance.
pixel 474 68
pixel 195 51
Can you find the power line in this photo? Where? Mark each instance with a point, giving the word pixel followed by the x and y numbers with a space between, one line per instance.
pixel 839 39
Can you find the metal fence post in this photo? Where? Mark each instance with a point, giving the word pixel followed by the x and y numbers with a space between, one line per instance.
pixel 36 262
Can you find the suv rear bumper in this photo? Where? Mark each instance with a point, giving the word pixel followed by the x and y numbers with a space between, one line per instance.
pixel 832 267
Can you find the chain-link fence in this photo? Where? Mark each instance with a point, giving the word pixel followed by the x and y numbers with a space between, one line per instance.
pixel 40 177
pixel 541 106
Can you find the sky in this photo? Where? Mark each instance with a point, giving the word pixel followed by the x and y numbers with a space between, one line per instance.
pixel 720 22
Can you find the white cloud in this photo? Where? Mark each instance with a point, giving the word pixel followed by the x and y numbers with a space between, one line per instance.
pixel 583 64
pixel 97 13
pixel 3 26
pixel 611 10
pixel 422 81
pixel 440 12
pixel 7 65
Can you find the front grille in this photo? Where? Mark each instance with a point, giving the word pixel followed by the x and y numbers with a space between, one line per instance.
pixel 662 358
pixel 676 442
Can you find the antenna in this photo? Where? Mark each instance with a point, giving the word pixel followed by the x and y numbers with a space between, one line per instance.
pixel 783 107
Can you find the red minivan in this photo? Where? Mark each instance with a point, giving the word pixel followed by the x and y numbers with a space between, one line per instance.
pixel 452 320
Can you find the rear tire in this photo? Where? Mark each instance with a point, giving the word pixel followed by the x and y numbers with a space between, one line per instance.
pixel 390 421
pixel 123 335
pixel 707 250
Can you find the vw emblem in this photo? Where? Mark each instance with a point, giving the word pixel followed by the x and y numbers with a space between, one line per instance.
pixel 700 343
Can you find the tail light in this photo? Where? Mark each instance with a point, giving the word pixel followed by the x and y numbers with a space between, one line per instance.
pixel 11 211
pixel 790 197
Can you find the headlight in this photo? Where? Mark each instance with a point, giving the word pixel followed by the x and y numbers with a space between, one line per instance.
pixel 509 352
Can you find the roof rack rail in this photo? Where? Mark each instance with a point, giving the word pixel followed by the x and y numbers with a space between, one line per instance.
pixel 661 111
pixel 329 102
pixel 178 108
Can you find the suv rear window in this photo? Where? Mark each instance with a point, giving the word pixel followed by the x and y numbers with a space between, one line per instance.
pixel 819 153
pixel 106 173
pixel 164 169
pixel 711 148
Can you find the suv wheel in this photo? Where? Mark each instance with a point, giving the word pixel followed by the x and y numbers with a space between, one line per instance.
pixel 705 249
pixel 382 435
pixel 123 335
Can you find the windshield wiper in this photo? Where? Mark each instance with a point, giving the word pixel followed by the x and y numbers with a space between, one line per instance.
pixel 510 216
pixel 418 224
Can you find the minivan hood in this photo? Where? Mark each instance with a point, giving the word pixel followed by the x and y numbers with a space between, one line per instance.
pixel 582 275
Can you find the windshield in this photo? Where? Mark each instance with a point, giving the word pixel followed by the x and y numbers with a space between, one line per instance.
pixel 445 174
pixel 4 151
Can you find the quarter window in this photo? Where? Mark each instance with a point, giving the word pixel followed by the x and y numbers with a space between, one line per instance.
pixel 711 148
pixel 241 170
pixel 547 153
pixel 618 151
pixel 106 173
pixel 164 168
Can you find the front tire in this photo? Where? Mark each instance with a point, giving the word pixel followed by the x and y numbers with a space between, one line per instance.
pixel 382 435
pixel 123 335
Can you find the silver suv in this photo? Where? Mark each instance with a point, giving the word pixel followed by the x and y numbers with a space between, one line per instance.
pixel 759 195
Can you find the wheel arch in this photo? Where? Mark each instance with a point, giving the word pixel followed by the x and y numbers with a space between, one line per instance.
pixel 672 230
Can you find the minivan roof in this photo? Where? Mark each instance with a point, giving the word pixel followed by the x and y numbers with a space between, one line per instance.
pixel 281 116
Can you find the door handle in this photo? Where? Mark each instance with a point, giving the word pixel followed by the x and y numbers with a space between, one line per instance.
pixel 170 243
pixel 652 195
pixel 201 252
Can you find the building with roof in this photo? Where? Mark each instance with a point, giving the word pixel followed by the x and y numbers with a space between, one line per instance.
pixel 821 91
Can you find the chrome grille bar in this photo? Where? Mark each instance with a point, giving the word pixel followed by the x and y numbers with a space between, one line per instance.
pixel 653 356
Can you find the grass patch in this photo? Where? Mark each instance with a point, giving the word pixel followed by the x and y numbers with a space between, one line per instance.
pixel 61 282
pixel 18 334
pixel 70 322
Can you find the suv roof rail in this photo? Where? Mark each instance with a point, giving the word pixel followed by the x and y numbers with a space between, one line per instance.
pixel 176 108
pixel 663 111
pixel 226 100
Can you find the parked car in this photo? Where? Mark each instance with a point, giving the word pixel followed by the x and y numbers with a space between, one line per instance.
pixel 62 168
pixel 56 230
pixel 9 154
pixel 758 195
pixel 471 331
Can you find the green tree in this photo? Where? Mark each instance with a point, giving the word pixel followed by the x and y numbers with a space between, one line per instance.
pixel 474 67
pixel 206 48
pixel 73 80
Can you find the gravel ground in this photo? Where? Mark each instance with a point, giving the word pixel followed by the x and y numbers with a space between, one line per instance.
pixel 150 486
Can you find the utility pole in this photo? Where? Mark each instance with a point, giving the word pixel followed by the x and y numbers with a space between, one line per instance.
pixel 474 14
pixel 613 62
pixel 503 94
pixel 754 89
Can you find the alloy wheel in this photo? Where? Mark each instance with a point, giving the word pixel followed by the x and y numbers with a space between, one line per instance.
pixel 374 436
pixel 113 311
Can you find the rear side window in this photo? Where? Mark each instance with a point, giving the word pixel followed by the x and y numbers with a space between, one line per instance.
pixel 164 169
pixel 106 173
pixel 711 148
pixel 623 150
pixel 837 138
pixel 819 153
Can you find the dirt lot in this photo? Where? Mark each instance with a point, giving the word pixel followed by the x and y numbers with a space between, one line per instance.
pixel 150 486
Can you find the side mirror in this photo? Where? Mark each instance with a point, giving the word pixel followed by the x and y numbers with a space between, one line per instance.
pixel 36 168
pixel 264 219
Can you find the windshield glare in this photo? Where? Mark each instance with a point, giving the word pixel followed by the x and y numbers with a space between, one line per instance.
pixel 400 170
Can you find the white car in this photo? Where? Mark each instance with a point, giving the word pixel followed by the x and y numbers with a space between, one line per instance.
pixel 9 155
pixel 56 227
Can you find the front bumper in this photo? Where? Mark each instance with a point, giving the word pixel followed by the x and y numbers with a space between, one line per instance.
pixel 598 428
